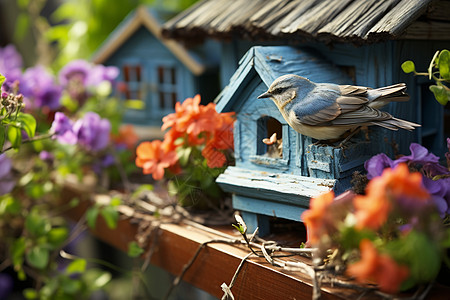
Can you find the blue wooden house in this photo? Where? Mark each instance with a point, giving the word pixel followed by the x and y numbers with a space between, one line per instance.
pixel 350 41
pixel 156 72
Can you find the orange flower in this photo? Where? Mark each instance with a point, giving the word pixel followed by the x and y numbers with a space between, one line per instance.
pixel 372 210
pixel 378 268
pixel 153 159
pixel 384 191
pixel 401 183
pixel 126 136
pixel 214 157
pixel 314 217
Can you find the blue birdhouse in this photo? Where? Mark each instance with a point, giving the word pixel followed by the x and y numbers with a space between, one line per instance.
pixel 369 40
pixel 156 72
pixel 277 178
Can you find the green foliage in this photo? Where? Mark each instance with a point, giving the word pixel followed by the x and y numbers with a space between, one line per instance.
pixel 439 71
pixel 424 264
pixel 108 212
pixel 196 185
pixel 134 250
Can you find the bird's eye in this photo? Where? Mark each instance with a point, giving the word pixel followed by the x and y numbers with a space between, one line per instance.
pixel 278 90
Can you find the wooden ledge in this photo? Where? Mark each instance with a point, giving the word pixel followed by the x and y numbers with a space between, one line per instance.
pixel 174 245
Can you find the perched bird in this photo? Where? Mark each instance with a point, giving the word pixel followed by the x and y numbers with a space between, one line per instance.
pixel 326 111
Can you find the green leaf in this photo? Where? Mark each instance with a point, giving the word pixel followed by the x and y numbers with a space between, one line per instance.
pixel 96 278
pixel 14 136
pixel 444 64
pixel 37 224
pixel 9 205
pixel 70 286
pixel 23 3
pixel 408 66
pixel 28 123
pixel 183 155
pixel 111 216
pixel 17 252
pixel 38 257
pixel 30 293
pixel 134 250
pixel 91 216
pixel 442 96
pixel 76 266
pixel 58 235
pixel 424 265
pixel 115 201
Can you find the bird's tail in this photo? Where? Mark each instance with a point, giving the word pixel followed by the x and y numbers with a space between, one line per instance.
pixel 381 96
pixel 395 124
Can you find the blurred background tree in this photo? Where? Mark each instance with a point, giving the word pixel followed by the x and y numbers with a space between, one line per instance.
pixel 54 32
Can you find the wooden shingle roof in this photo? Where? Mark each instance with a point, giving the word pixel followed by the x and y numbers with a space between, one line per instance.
pixel 357 21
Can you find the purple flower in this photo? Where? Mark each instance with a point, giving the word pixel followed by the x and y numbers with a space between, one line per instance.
pixel 62 127
pixel 100 73
pixel 10 64
pixel 429 163
pixel 438 190
pixel 39 87
pixel 377 164
pixel 75 70
pixel 6 179
pixel 92 131
pixel 419 155
pixel 46 156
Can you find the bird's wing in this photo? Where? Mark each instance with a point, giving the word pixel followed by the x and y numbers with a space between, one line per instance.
pixel 324 110
pixel 363 115
pixel 318 116
pixel 353 90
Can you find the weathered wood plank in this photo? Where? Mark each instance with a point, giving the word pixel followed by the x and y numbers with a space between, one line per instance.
pixel 284 188
pixel 398 18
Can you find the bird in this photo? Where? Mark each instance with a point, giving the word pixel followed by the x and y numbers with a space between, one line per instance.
pixel 331 112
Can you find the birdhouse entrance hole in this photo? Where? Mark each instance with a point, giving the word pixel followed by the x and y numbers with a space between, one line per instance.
pixel 270 137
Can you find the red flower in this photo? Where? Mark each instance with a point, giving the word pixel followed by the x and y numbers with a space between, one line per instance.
pixel 378 268
pixel 152 157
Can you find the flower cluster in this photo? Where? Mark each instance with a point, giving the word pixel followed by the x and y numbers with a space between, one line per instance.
pixel 436 177
pixel 80 77
pixel 41 89
pixel 379 236
pixel 191 125
pixel 90 132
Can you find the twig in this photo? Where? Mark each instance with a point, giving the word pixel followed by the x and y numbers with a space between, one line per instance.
pixel 31 140
pixel 186 267
pixel 227 288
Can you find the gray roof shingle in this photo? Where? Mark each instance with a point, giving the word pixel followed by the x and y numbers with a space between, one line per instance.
pixel 357 21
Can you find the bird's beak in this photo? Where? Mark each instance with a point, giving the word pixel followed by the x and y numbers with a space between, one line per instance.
pixel 265 95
